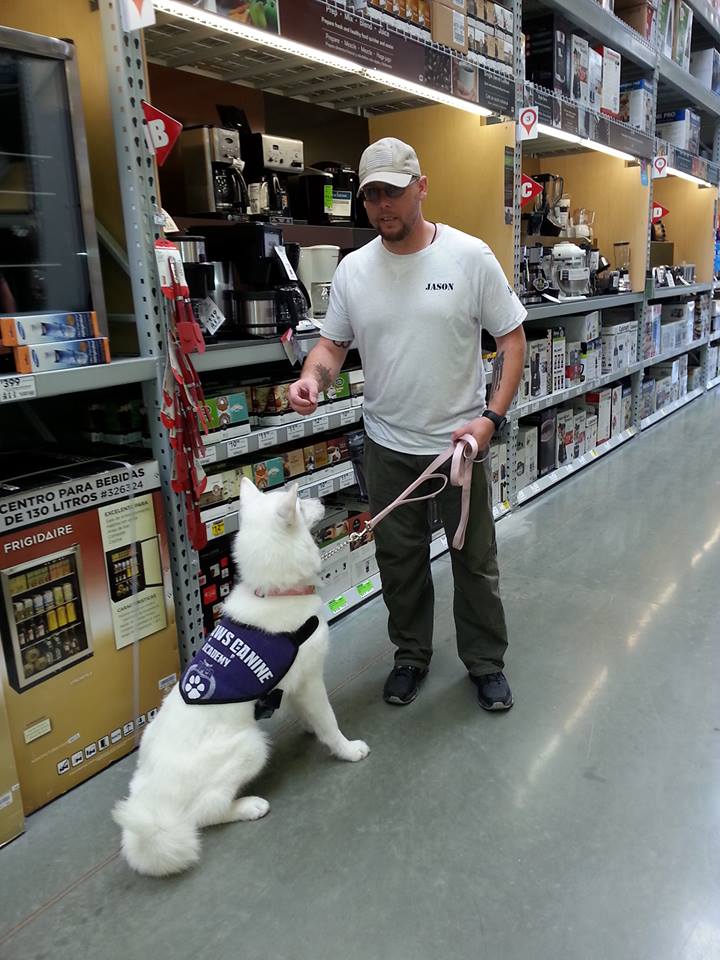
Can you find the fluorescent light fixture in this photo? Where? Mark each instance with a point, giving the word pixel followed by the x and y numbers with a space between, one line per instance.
pixel 687 176
pixel 602 148
pixel 224 25
pixel 558 134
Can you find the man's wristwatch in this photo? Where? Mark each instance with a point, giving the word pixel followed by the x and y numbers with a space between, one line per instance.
pixel 496 419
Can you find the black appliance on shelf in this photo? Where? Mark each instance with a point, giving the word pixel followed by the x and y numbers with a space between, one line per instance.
pixel 269 161
pixel 213 172
pixel 346 208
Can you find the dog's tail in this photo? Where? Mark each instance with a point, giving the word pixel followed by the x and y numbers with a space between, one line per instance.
pixel 154 843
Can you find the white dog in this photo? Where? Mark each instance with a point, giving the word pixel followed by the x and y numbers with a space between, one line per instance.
pixel 197 755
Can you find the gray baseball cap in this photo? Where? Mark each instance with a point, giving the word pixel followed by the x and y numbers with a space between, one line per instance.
pixel 389 161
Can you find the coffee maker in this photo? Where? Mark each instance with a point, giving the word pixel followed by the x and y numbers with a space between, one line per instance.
pixel 267 294
pixel 548 216
pixel 317 267
pixel 269 161
pixel 213 172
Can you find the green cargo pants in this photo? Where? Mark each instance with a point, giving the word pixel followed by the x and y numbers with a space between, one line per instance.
pixel 403 554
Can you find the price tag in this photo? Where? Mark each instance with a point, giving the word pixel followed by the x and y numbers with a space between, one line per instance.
pixel 325 489
pixel 283 257
pixel 210 455
pixel 237 446
pixel 17 388
pixel 552 478
pixel 346 417
pixel 534 488
pixel 364 589
pixel 506 504
pixel 217 529
pixel 295 431
pixel 337 605
pixel 267 438
pixel 321 424
pixel 210 315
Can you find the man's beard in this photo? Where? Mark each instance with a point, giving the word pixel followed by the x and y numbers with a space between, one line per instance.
pixel 395 232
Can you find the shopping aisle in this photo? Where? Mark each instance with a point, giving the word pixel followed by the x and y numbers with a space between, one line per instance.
pixel 582 824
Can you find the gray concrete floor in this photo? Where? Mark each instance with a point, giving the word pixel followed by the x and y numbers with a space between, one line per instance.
pixel 583 824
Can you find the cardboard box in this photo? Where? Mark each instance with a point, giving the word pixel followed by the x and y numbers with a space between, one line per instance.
pixel 526 467
pixel 641 17
pixel 537 354
pixel 636 104
pixel 48 328
pixel 86 597
pixel 294 463
pixel 666 26
pixel 62 355
pixel 617 417
pixel 590 361
pixel 600 403
pixel 316 457
pixel 681 128
pixel 459 5
pixel 573 363
pixel 449 27
pixel 12 821
pixel 565 436
pixel 651 331
pixel 682 36
pixel 595 82
pixel 580 420
pixel 584 327
pixel 612 63
pixel 647 397
pixel 269 473
pixel 335 576
pixel 558 359
pixel 590 431
pixel 627 406
pixel 545 421
pixel 705 67
pixel 580 68
pixel 230 410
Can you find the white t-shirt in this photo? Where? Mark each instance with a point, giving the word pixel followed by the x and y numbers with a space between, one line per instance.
pixel 416 320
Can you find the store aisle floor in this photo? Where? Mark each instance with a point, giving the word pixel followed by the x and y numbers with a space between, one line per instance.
pixel 582 824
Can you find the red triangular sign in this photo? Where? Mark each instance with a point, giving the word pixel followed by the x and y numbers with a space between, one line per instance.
pixel 529 189
pixel 161 131
pixel 659 211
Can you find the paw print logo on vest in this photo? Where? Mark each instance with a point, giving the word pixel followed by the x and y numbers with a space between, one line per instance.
pixel 198 686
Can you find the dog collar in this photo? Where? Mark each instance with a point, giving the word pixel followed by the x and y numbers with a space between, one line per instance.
pixel 292 592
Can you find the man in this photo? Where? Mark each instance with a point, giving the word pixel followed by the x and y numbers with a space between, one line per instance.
pixel 414 301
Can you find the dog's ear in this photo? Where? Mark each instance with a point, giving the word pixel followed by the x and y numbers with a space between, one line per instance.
pixel 248 490
pixel 288 507
pixel 313 511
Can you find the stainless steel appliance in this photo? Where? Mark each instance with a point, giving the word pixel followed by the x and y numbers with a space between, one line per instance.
pixel 568 272
pixel 269 160
pixel 213 172
pixel 317 268
pixel 548 215
pixel 258 315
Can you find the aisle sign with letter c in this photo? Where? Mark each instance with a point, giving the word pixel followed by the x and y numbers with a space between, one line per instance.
pixel 529 189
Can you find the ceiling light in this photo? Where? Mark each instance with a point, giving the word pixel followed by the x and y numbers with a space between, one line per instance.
pixel 687 176
pixel 558 134
pixel 267 39
pixel 602 148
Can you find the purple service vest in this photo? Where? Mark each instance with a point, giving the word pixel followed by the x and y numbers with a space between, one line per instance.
pixel 238 663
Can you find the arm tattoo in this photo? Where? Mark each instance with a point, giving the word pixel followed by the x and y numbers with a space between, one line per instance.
pixel 344 344
pixel 324 377
pixel 497 373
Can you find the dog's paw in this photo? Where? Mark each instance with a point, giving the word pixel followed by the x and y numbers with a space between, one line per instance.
pixel 194 687
pixel 250 808
pixel 352 751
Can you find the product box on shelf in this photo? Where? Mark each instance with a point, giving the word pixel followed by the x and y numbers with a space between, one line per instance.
pixel 228 413
pixel 12 821
pixel 449 27
pixel 565 436
pixel 595 84
pixel 651 331
pixel 612 63
pixel 636 104
pixel 666 26
pixel 268 473
pixel 681 128
pixel 665 391
pixel 681 313
pixel 617 416
pixel 216 577
pixel 590 361
pixel 574 369
pixel 591 440
pixel 335 576
pixel 627 406
pixel 682 37
pixel 545 422
pixel 547 53
pixel 459 5
pixel 619 345
pixel 363 563
pixel 62 355
pixel 87 617
pixel 640 16
pixel 526 467
pixel 600 403
pixel 695 380
pixel 558 359
pixel 579 425
pixel 316 457
pixel 337 450
pixel 48 328
pixel 647 397
pixel 538 359
pixel 294 463
pixel 584 327
pixel 705 67
pixel 580 66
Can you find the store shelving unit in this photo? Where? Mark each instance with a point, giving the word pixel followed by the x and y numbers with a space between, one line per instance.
pixel 187 39
pixel 59 383
pixel 715 382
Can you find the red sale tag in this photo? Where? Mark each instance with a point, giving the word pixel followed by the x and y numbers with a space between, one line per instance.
pixel 529 189
pixel 659 211
pixel 161 132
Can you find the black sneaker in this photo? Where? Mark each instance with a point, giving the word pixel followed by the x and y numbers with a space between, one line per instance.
pixel 493 691
pixel 403 684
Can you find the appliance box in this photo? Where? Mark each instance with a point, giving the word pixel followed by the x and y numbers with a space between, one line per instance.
pixel 580 416
pixel 565 436
pixel 640 16
pixel 705 67
pixel 595 83
pixel 526 460
pixel 580 69
pixel 449 27
pixel 636 104
pixel 681 128
pixel 612 62
pixel 12 821
pixel 545 421
pixel 600 402
pixel 584 327
pixel 85 607
pixel 63 355
pixel 617 417
pixel 48 328
pixel 682 36
pixel 666 26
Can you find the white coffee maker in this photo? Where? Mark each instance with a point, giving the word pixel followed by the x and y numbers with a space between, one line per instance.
pixel 316 270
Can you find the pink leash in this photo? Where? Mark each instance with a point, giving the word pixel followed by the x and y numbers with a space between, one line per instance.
pixel 463 455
